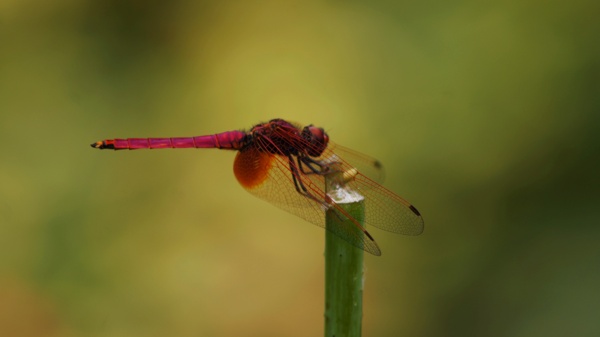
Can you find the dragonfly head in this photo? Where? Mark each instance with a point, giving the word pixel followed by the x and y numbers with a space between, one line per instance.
pixel 316 138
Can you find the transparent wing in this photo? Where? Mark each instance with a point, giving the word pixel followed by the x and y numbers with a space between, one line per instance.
pixel 365 164
pixel 270 178
pixel 384 209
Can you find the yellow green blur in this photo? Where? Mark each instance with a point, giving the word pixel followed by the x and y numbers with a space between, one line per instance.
pixel 484 115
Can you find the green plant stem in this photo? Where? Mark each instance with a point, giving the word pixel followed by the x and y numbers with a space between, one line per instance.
pixel 343 273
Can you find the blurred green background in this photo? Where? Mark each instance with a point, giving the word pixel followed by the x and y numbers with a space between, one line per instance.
pixel 485 114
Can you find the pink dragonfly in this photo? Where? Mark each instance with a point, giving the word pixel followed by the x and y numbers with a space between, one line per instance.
pixel 286 164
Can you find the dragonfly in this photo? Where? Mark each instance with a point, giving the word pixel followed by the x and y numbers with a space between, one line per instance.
pixel 287 165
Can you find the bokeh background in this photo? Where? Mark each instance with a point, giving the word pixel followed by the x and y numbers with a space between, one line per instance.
pixel 485 114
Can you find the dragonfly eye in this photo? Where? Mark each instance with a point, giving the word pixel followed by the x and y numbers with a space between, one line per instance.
pixel 316 138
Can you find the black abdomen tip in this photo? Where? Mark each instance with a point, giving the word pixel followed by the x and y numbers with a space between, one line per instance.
pixel 100 145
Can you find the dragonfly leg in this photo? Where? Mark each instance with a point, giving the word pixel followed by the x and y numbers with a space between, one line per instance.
pixel 300 188
pixel 315 166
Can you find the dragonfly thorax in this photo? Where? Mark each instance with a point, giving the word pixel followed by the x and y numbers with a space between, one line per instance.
pixel 281 137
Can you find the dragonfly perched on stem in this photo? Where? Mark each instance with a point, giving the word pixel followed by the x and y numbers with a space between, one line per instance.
pixel 285 164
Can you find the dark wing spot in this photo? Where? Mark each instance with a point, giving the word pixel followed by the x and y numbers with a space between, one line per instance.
pixel 412 208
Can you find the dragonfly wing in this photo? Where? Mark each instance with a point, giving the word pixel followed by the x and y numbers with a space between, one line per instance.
pixel 386 210
pixel 365 164
pixel 269 177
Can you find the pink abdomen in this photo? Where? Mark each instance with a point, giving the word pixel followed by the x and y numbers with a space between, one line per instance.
pixel 227 140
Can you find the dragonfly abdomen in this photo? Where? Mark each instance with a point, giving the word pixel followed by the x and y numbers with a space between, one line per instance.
pixel 233 140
